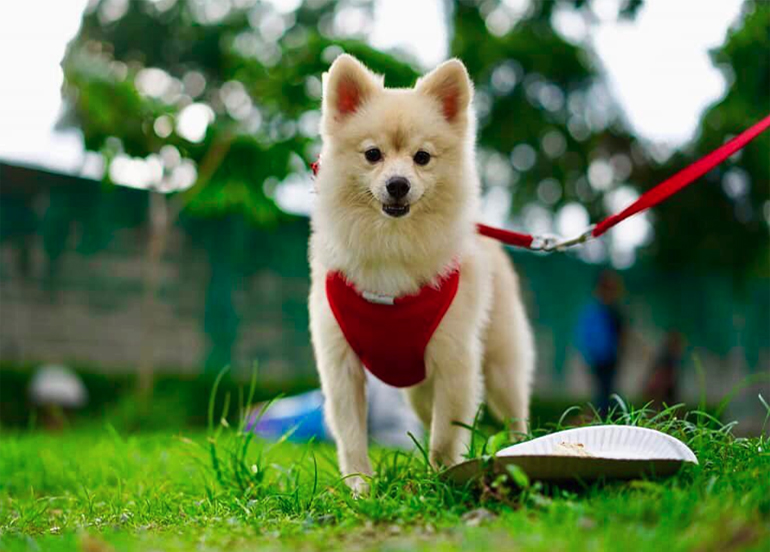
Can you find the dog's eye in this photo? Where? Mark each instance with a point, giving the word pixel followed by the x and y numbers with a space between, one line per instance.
pixel 373 155
pixel 422 157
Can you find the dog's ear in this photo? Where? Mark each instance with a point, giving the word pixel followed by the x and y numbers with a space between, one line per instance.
pixel 347 86
pixel 450 84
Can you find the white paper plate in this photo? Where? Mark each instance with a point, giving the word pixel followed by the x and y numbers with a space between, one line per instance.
pixel 587 454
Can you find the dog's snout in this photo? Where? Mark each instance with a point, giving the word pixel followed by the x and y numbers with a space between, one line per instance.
pixel 397 187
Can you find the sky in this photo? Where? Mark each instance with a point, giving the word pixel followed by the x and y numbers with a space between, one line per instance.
pixel 33 35
pixel 657 65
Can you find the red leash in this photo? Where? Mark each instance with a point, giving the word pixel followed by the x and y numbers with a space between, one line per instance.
pixel 649 199
pixel 684 178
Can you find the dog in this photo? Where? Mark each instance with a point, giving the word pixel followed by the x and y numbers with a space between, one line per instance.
pixel 394 222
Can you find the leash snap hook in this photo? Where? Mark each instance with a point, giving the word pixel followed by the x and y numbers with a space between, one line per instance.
pixel 563 245
pixel 551 243
pixel 546 242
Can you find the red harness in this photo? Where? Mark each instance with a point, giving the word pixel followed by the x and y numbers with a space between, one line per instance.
pixel 390 335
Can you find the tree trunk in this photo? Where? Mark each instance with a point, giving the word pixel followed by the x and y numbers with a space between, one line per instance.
pixel 156 245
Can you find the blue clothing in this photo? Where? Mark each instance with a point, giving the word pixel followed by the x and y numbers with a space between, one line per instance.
pixel 302 415
pixel 598 334
pixel 598 340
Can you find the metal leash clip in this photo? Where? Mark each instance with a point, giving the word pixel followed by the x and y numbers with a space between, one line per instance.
pixel 549 243
pixel 546 242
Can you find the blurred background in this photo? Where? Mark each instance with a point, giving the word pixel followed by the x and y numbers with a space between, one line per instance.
pixel 154 191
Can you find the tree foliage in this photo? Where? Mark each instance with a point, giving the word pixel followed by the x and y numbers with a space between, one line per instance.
pixel 550 135
pixel 254 71
pixel 543 93
pixel 723 222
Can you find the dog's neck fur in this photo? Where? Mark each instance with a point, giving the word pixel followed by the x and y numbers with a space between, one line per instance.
pixel 393 257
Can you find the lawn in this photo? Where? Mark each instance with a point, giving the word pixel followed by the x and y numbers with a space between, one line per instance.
pixel 98 490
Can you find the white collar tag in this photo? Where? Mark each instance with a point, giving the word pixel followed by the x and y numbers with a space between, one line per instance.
pixel 377 298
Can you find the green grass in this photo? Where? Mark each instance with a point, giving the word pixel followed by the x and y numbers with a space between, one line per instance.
pixel 98 490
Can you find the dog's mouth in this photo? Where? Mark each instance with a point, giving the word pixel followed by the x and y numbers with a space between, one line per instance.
pixel 395 210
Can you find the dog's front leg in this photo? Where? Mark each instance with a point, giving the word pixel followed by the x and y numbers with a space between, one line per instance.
pixel 456 398
pixel 344 388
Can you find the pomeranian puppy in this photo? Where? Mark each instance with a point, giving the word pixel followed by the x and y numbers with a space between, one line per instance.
pixel 402 284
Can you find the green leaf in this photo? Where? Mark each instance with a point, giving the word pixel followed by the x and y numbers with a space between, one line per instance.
pixel 518 476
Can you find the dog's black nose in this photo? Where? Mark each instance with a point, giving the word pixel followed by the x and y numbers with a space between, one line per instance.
pixel 397 187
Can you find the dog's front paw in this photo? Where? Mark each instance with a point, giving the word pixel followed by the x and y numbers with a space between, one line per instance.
pixel 358 485
pixel 440 458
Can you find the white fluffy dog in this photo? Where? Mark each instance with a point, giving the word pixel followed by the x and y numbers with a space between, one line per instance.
pixel 397 203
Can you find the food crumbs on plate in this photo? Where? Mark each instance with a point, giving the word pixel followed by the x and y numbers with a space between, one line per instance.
pixel 571 449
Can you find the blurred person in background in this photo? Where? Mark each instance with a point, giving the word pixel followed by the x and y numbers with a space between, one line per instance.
pixel 600 335
pixel 663 384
